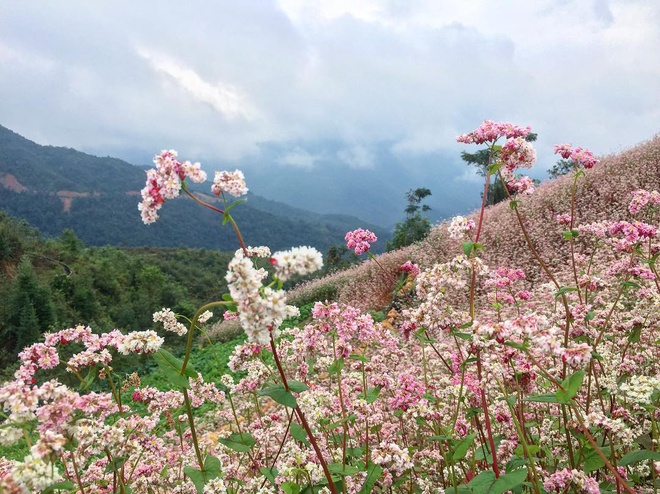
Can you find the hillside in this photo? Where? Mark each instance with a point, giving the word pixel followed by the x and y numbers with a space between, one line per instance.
pixel 603 193
pixel 56 188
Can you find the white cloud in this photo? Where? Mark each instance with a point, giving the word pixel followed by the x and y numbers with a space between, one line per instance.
pixel 226 99
pixel 358 157
pixel 299 158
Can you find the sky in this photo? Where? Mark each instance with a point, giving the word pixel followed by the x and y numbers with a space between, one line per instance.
pixel 286 87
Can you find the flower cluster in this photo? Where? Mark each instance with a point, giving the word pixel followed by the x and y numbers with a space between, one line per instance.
pixel 165 182
pixel 296 261
pixel 641 198
pixel 490 131
pixel 516 153
pixel 460 226
pixel 260 309
pixel 360 240
pixel 579 155
pixel 233 183
pixel 170 323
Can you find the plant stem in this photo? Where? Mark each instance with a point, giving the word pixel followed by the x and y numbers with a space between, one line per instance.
pixel 303 420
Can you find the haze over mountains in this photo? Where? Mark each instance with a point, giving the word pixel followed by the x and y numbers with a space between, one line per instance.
pixel 55 188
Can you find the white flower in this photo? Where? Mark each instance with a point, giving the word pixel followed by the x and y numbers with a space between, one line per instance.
pixel 297 261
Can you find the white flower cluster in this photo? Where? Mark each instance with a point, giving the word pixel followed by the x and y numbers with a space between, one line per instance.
pixel 459 226
pixel 35 474
pixel 296 261
pixel 233 183
pixel 168 318
pixel 639 389
pixel 260 310
pixel 215 486
pixel 392 457
pixel 140 342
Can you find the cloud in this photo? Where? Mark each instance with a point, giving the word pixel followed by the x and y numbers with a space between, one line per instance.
pixel 299 158
pixel 359 157
pixel 226 99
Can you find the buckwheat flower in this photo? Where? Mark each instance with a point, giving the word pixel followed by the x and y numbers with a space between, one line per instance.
pixel 563 219
pixel 641 198
pixel 296 261
pixel 577 356
pixel 411 268
pixel 517 153
pixel 215 486
pixel 233 183
pixel 9 435
pixel 490 131
pixel 204 317
pixel 522 185
pixel 579 155
pixel 140 342
pixel 170 323
pixel 49 442
pixel 460 227
pixel 639 389
pixel 35 474
pixel 360 240
pixel 165 182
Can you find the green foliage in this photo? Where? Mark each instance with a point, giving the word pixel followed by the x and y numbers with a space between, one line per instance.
pixel 416 226
pixel 562 167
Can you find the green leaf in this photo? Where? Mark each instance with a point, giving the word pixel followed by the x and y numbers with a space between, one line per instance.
pixel 336 367
pixel 297 386
pixel 343 470
pixel 467 248
pixel 493 168
pixel 116 464
pixel 227 297
pixel 373 474
pixel 212 466
pixel 196 476
pixel 571 387
pixel 508 481
pixel 240 443
pixel 361 358
pixel 177 363
pixel 269 473
pixel 290 488
pixel 513 204
pixel 89 378
pixel 280 395
pixel 462 448
pixel 487 483
pixel 564 290
pixel 515 345
pixel 63 486
pixel 592 461
pixel 639 455
pixel 543 398
pixel 299 434
pixel 635 334
pixel 372 394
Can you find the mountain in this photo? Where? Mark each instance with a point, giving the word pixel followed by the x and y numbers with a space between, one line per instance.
pixel 56 188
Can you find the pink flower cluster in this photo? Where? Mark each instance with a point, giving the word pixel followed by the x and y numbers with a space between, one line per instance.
pixel 460 227
pixel 490 131
pixel 360 240
pixel 516 153
pixel 522 185
pixel 233 183
pixel 641 198
pixel 165 182
pixel 581 156
pixel 411 268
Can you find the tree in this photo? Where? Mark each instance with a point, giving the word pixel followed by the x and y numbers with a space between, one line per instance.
pixel 416 226
pixel 480 159
pixel 562 167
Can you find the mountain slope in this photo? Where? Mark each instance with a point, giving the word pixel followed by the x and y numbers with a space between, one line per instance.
pixel 56 188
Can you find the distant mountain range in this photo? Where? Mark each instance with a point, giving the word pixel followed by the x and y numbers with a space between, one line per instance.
pixel 56 188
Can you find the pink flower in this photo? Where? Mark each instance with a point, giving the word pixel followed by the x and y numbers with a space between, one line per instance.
pixel 411 268
pixel 522 185
pixel 233 183
pixel 581 156
pixel 360 240
pixel 490 131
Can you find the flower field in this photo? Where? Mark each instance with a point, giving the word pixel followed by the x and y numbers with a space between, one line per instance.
pixel 520 353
